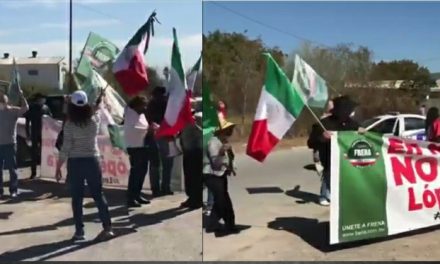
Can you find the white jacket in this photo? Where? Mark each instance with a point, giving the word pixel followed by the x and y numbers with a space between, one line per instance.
pixel 135 128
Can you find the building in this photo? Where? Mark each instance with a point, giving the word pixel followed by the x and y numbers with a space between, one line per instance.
pixel 37 74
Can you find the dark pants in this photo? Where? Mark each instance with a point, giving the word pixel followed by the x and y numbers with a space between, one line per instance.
pixel 162 166
pixel 89 170
pixel 192 169
pixel 35 153
pixel 8 162
pixel 139 158
pixel 222 208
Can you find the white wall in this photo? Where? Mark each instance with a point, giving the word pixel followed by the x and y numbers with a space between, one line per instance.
pixel 50 77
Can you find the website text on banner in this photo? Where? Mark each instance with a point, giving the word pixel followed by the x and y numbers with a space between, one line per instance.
pixel 382 186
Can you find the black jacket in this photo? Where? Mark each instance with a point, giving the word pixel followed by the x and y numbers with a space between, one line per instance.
pixel 33 119
pixel 318 142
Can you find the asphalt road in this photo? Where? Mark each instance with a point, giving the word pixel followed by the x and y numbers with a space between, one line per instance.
pixel 277 200
pixel 38 226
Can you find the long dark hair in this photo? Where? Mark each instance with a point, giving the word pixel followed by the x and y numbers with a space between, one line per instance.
pixel 431 116
pixel 79 115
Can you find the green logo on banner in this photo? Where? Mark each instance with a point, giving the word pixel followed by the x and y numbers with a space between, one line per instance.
pixel 361 154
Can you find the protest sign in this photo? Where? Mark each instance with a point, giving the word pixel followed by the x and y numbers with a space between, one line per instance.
pixel 381 186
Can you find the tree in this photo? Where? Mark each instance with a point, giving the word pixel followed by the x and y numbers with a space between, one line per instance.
pixel 402 70
pixel 337 65
pixel 235 67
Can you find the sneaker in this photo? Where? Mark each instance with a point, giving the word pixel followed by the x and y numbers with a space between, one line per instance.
pixel 105 235
pixel 142 201
pixel 78 236
pixel 14 195
pixel 324 202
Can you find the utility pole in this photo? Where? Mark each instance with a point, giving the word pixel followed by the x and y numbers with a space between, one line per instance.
pixel 70 48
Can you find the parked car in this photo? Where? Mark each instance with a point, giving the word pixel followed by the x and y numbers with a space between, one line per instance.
pixel 396 124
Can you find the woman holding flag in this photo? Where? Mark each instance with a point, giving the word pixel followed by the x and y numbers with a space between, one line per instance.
pixel 80 150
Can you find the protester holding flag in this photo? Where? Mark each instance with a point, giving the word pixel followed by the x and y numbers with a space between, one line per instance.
pixel 339 120
pixel 80 150
pixel 135 129
pixel 155 112
pixel 192 141
pixel 217 166
pixel 37 110
pixel 8 140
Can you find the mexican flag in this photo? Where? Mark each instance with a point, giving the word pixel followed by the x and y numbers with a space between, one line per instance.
pixel 192 76
pixel 129 68
pixel 14 87
pixel 210 116
pixel 178 113
pixel 279 105
pixel 312 86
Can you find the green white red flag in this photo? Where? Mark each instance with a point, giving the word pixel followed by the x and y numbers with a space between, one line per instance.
pixel 129 68
pixel 178 112
pixel 192 76
pixel 279 106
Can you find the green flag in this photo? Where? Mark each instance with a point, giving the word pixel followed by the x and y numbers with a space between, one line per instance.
pixel 210 116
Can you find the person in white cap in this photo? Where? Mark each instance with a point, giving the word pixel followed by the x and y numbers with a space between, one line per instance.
pixel 80 150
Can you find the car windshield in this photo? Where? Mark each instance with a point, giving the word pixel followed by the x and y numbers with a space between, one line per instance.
pixel 369 122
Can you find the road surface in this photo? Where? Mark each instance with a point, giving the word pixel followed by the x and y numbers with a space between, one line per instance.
pixel 38 226
pixel 277 200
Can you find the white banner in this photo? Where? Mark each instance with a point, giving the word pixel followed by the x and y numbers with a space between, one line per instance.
pixel 115 163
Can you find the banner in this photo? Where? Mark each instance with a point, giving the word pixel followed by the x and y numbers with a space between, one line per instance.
pixel 115 164
pixel 98 53
pixel 381 186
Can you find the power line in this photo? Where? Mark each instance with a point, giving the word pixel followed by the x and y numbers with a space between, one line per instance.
pixel 268 26
pixel 296 36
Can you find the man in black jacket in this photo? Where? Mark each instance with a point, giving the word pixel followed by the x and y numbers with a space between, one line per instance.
pixel 339 120
pixel 34 128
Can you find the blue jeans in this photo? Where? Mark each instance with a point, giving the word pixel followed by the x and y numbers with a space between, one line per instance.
pixel 8 162
pixel 167 169
pixel 325 185
pixel 210 201
pixel 88 170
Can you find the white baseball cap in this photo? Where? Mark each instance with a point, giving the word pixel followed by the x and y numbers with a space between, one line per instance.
pixel 79 98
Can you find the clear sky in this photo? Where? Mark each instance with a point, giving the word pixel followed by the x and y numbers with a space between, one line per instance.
pixel 26 25
pixel 392 30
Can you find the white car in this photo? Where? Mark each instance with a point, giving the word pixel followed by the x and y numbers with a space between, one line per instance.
pixel 400 125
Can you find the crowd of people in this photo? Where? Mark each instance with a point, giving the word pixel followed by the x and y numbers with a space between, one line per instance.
pixel 78 148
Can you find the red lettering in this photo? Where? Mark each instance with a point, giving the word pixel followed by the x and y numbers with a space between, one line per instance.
pixel 427 176
pixel 434 148
pixel 405 170
pixel 413 206
pixel 413 149
pixel 396 146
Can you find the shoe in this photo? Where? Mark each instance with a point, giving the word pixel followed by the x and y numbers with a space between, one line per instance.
pixel 78 236
pixel 185 204
pixel 168 193
pixel 33 176
pixel 142 201
pixel 324 202
pixel 105 235
pixel 156 194
pixel 133 204
pixel 14 195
